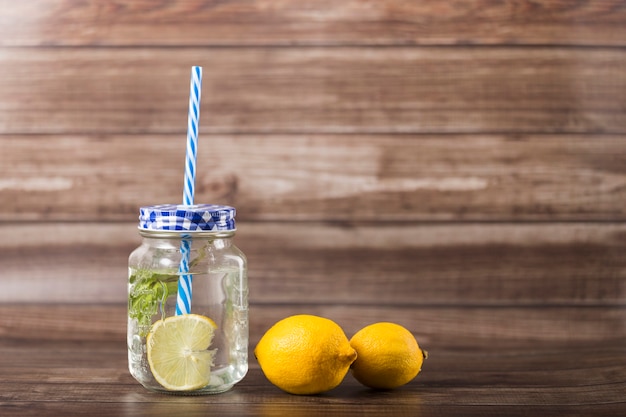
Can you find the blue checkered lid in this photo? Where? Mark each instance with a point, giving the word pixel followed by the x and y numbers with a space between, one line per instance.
pixel 200 217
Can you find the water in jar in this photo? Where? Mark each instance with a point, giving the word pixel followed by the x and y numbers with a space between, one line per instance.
pixel 220 294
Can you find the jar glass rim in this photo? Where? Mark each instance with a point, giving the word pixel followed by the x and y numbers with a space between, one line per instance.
pixel 180 234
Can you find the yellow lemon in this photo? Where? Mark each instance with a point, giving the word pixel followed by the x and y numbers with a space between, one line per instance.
pixel 177 351
pixel 305 354
pixel 388 356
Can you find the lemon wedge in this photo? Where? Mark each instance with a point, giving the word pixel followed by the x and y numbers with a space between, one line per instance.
pixel 178 354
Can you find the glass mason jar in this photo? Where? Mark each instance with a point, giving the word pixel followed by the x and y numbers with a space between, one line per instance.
pixel 187 301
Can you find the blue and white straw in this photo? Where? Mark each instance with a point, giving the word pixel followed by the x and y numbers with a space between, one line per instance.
pixel 183 299
pixel 195 90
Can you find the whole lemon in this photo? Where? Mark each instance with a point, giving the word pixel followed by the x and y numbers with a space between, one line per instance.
pixel 388 356
pixel 305 354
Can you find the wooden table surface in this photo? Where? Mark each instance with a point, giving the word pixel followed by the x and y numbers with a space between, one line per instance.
pixel 77 366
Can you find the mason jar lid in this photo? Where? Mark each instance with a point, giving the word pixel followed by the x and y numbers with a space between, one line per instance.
pixel 199 217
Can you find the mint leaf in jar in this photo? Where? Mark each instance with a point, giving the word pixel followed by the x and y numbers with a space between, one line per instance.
pixel 148 291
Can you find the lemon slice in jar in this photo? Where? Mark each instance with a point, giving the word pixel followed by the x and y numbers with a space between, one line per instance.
pixel 178 354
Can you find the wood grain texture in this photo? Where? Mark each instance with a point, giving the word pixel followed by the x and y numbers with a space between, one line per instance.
pixel 315 90
pixel 70 367
pixel 404 264
pixel 455 167
pixel 451 328
pixel 355 406
pixel 319 177
pixel 312 22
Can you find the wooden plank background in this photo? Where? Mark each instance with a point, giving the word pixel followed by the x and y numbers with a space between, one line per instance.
pixel 457 167
pixel 345 89
pixel 313 22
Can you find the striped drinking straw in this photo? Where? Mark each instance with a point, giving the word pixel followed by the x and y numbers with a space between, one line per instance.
pixel 183 299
